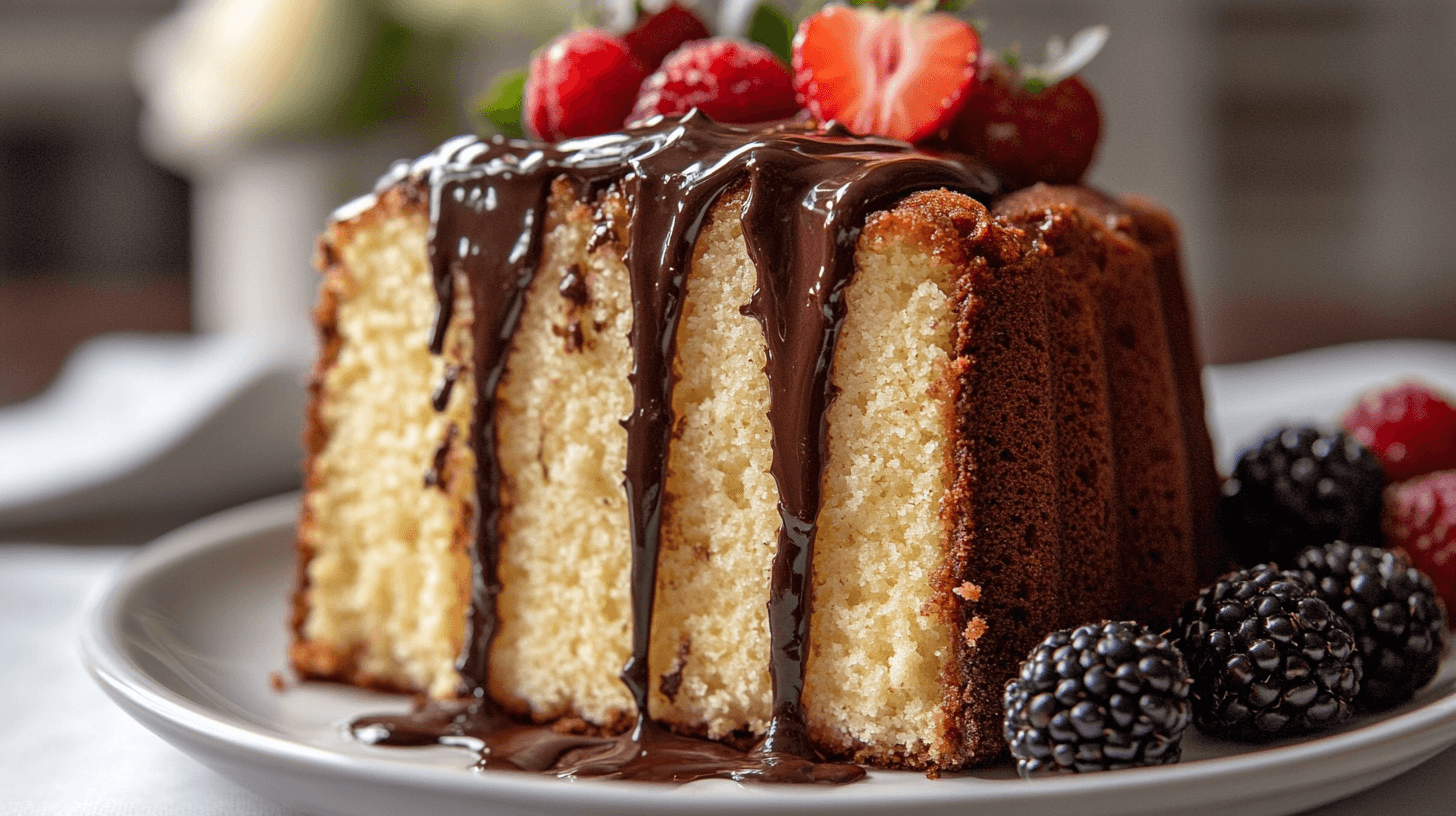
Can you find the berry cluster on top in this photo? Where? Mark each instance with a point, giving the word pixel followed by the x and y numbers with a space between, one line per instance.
pixel 1265 653
pixel 908 73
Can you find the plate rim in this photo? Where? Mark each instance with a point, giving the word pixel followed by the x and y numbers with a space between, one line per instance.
pixel 1422 731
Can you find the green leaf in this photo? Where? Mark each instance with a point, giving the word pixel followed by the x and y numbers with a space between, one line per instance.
pixel 773 30
pixel 377 93
pixel 501 102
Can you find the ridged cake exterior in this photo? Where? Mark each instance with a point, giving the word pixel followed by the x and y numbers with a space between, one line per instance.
pixel 1014 444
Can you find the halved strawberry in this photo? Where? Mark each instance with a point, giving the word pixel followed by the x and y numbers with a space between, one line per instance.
pixel 902 73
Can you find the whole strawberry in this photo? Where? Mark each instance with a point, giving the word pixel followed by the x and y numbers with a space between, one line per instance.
pixel 581 84
pixel 1028 133
pixel 728 79
pixel 657 35
pixel 1410 427
pixel 901 73
pixel 1420 519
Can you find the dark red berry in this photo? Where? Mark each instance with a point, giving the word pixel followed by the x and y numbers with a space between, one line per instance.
pixel 1026 134
pixel 657 35
pixel 1420 519
pixel 1411 428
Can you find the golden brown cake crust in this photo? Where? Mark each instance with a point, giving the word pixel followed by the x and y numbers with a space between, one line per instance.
pixel 1155 502
pixel 958 231
pixel 1158 231
pixel 1001 584
pixel 1004 528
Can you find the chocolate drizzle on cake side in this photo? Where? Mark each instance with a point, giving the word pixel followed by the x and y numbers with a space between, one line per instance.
pixel 809 191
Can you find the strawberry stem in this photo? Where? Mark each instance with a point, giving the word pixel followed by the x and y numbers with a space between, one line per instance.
pixel 1066 57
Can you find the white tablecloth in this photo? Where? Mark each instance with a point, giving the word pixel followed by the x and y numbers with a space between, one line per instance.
pixel 66 749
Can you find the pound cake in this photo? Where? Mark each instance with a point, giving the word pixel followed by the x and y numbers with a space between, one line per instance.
pixel 816 435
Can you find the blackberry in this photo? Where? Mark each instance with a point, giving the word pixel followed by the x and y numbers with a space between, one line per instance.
pixel 1099 697
pixel 1400 627
pixel 1269 658
pixel 1301 488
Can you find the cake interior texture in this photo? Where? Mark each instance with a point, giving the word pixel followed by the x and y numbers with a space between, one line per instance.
pixel 1015 444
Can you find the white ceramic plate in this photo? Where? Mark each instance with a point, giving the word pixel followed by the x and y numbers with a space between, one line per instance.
pixel 187 639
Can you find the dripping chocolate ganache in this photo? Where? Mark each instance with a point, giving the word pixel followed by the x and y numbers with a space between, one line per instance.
pixel 919 361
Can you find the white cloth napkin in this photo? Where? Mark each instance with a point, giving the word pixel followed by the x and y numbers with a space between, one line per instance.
pixel 143 421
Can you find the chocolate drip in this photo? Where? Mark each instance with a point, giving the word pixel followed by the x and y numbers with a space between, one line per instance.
pixel 435 476
pixel 802 272
pixel 486 206
pixel 808 193
pixel 477 726
pixel 441 397
pixel 573 287
pixel 656 755
pixel 601 235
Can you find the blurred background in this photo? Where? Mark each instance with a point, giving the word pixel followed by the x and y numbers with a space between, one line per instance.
pixel 94 236
pixel 172 178
pixel 165 167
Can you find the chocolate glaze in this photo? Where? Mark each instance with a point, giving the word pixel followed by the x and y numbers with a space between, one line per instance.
pixel 475 724
pixel 573 287
pixel 441 397
pixel 435 475
pixel 808 192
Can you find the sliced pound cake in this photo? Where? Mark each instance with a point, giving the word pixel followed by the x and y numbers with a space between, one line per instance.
pixel 789 424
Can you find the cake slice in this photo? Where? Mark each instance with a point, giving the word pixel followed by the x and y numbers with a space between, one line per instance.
pixel 978 429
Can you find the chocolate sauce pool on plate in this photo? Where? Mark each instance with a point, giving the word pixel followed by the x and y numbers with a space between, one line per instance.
pixel 809 190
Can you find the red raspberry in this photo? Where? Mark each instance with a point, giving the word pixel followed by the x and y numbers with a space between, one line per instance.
pixel 728 79
pixel 1026 135
pixel 581 84
pixel 660 34
pixel 1410 427
pixel 902 73
pixel 1420 518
